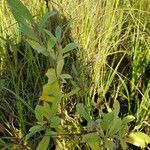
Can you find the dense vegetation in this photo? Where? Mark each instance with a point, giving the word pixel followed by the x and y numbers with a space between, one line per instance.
pixel 74 74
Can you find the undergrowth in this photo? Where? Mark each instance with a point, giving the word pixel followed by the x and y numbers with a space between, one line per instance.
pixel 74 74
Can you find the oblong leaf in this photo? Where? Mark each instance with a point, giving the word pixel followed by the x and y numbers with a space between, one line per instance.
pixel 65 76
pixel 44 19
pixel 139 139
pixel 43 145
pixel 60 66
pixel 128 119
pixel 28 32
pixel 69 47
pixel 91 138
pixel 55 122
pixel 38 113
pixel 73 92
pixel 52 39
pixel 81 110
pixel 20 11
pixel 40 49
pixel 116 107
pixel 58 34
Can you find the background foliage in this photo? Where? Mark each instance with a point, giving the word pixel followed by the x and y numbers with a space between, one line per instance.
pixel 103 77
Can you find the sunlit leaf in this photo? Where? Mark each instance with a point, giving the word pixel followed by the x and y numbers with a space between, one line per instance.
pixel 128 119
pixel 139 139
pixel 51 74
pixel 55 106
pixel 94 145
pixel 46 111
pixel 50 92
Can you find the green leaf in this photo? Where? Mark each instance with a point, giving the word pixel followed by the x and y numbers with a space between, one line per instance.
pixel 74 69
pixel 128 119
pixel 65 76
pixel 93 140
pixel 81 110
pixel 91 126
pixel 38 113
pixel 123 144
pixel 66 55
pixel 40 49
pixel 107 120
pixel 43 145
pixel 44 19
pixel 55 106
pixel 20 12
pixel 50 92
pixel 28 32
pixel 55 122
pixel 123 131
pixel 2 142
pixel 115 127
pixel 52 39
pixel 55 89
pixel 46 94
pixel 116 107
pixel 91 137
pixel 139 139
pixel 73 92
pixel 60 66
pixel 94 145
pixel 58 33
pixel 33 130
pixel 69 47
pixel 19 9
pixel 51 74
pixel 110 145
pixel 46 111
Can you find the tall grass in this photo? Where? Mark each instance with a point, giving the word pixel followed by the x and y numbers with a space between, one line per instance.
pixel 20 67
pixel 114 48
